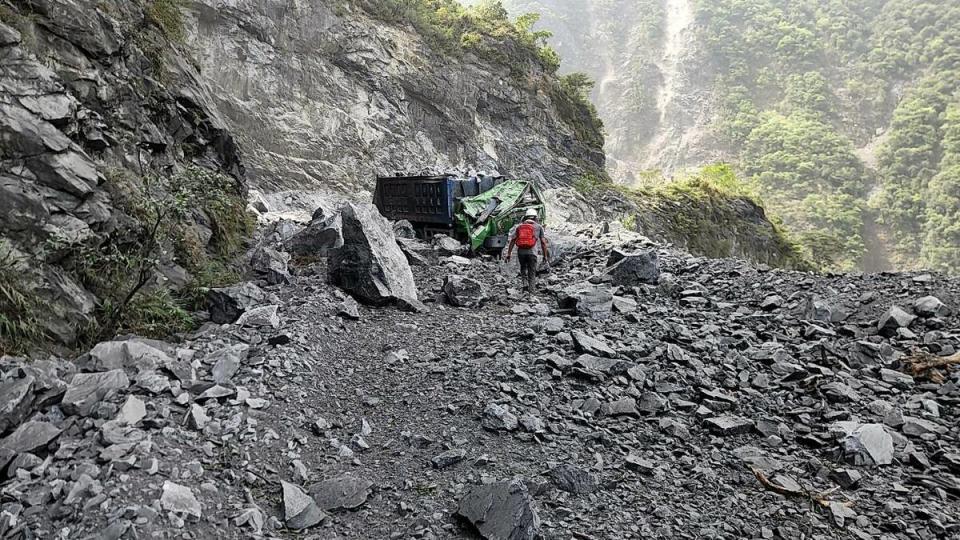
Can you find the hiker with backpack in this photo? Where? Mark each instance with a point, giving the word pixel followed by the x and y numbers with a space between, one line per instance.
pixel 525 236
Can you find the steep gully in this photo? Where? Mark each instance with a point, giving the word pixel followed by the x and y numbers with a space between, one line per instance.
pixel 679 17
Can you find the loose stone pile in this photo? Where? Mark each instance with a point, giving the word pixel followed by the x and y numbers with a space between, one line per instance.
pixel 670 397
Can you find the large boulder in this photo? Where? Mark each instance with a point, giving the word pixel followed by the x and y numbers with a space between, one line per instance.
pixel 631 269
pixel 319 238
pixel 370 264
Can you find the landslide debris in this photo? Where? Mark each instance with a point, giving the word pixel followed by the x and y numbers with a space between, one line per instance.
pixel 699 406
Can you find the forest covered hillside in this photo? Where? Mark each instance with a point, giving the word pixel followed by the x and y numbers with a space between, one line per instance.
pixel 843 114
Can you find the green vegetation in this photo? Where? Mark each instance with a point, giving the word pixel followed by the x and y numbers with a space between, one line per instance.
pixel 486 30
pixel 196 218
pixel 571 96
pixel 801 83
pixel 168 15
pixel 710 212
pixel 20 307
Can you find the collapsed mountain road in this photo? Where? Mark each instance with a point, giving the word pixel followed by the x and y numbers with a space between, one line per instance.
pixel 717 403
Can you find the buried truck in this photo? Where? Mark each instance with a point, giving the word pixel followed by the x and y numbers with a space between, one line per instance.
pixel 477 210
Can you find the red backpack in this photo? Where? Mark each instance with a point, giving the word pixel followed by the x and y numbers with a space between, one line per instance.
pixel 526 236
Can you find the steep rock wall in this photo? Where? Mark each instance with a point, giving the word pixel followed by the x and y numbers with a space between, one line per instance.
pixel 93 100
pixel 323 97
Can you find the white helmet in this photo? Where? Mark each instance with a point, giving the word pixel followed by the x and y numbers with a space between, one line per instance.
pixel 531 214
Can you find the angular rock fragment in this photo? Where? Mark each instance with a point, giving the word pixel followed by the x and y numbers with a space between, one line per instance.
pixel 501 511
pixel 349 309
pixel 226 361
pixel 573 479
pixel 592 346
pixel 896 378
pixel 16 400
pixel 771 303
pixel 639 464
pixel 620 407
pixel 593 301
pixel 30 437
pixel 462 291
pixel 225 305
pixel 370 265
pixel 133 411
pixel 344 492
pixel 869 444
pixel 180 499
pixel 132 354
pixel 930 306
pixel 635 269
pixel 88 389
pixel 918 427
pixel 730 425
pixel 448 458
pixel 260 317
pixel 550 325
pixel 323 235
pixel 497 418
pixel 197 417
pixel 271 265
pixel 894 319
pixel 300 511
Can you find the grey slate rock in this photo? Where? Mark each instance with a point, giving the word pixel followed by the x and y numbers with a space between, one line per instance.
pixel 592 346
pixel 730 425
pixel 323 235
pixel 930 306
pixel 227 361
pixel 639 464
pixel 370 264
pixel 869 444
pixel 16 400
pixel 344 492
pixel 134 355
pixel 593 301
pixel 448 458
pixel 225 305
pixel 620 407
pixel 271 265
pixel 573 479
pixel 918 427
pixel 497 418
pixel 501 511
pixel 88 389
pixel 300 511
pixel 180 499
pixel 349 309
pixel 462 291
pixel 260 317
pixel 893 319
pixel 30 437
pixel 636 269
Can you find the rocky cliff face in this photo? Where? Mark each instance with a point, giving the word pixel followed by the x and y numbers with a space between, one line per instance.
pixel 652 87
pixel 123 125
pixel 322 96
pixel 93 101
